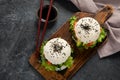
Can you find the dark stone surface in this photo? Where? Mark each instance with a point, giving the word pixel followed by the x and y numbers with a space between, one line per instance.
pixel 18 27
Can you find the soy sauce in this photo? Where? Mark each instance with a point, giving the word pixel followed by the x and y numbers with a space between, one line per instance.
pixel 53 13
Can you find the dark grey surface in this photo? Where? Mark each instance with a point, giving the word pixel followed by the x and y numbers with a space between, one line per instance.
pixel 18 27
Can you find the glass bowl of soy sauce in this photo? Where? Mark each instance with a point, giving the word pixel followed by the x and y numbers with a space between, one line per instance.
pixel 53 14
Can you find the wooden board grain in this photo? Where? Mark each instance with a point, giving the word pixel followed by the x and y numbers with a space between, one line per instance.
pixel 81 56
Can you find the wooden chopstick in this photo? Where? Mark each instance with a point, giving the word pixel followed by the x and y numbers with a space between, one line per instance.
pixel 46 23
pixel 38 30
pixel 40 39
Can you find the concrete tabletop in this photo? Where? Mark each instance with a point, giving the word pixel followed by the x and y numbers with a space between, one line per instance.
pixel 18 28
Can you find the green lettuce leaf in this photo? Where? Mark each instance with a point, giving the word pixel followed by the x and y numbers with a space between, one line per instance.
pixel 72 21
pixel 69 62
pixel 102 35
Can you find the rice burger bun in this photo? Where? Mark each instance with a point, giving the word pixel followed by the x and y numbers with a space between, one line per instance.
pixel 86 32
pixel 56 54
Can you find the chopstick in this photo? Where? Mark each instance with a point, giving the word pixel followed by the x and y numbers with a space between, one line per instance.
pixel 39 39
pixel 46 23
pixel 38 30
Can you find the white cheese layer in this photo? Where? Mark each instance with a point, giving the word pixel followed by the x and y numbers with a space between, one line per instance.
pixel 87 30
pixel 57 51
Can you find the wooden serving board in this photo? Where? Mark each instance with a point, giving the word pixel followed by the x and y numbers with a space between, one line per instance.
pixel 80 56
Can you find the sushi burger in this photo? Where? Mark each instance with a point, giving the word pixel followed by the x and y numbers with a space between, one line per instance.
pixel 56 54
pixel 86 32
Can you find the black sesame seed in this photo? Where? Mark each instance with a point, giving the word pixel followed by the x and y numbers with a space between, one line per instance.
pixel 79 32
pixel 64 54
pixel 96 30
pixel 82 20
pixel 66 44
pixel 84 36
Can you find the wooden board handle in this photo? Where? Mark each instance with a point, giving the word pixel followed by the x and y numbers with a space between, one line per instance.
pixel 102 15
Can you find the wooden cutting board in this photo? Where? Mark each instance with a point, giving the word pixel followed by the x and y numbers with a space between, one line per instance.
pixel 80 56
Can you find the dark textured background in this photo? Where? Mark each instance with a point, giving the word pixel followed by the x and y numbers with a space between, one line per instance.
pixel 18 27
